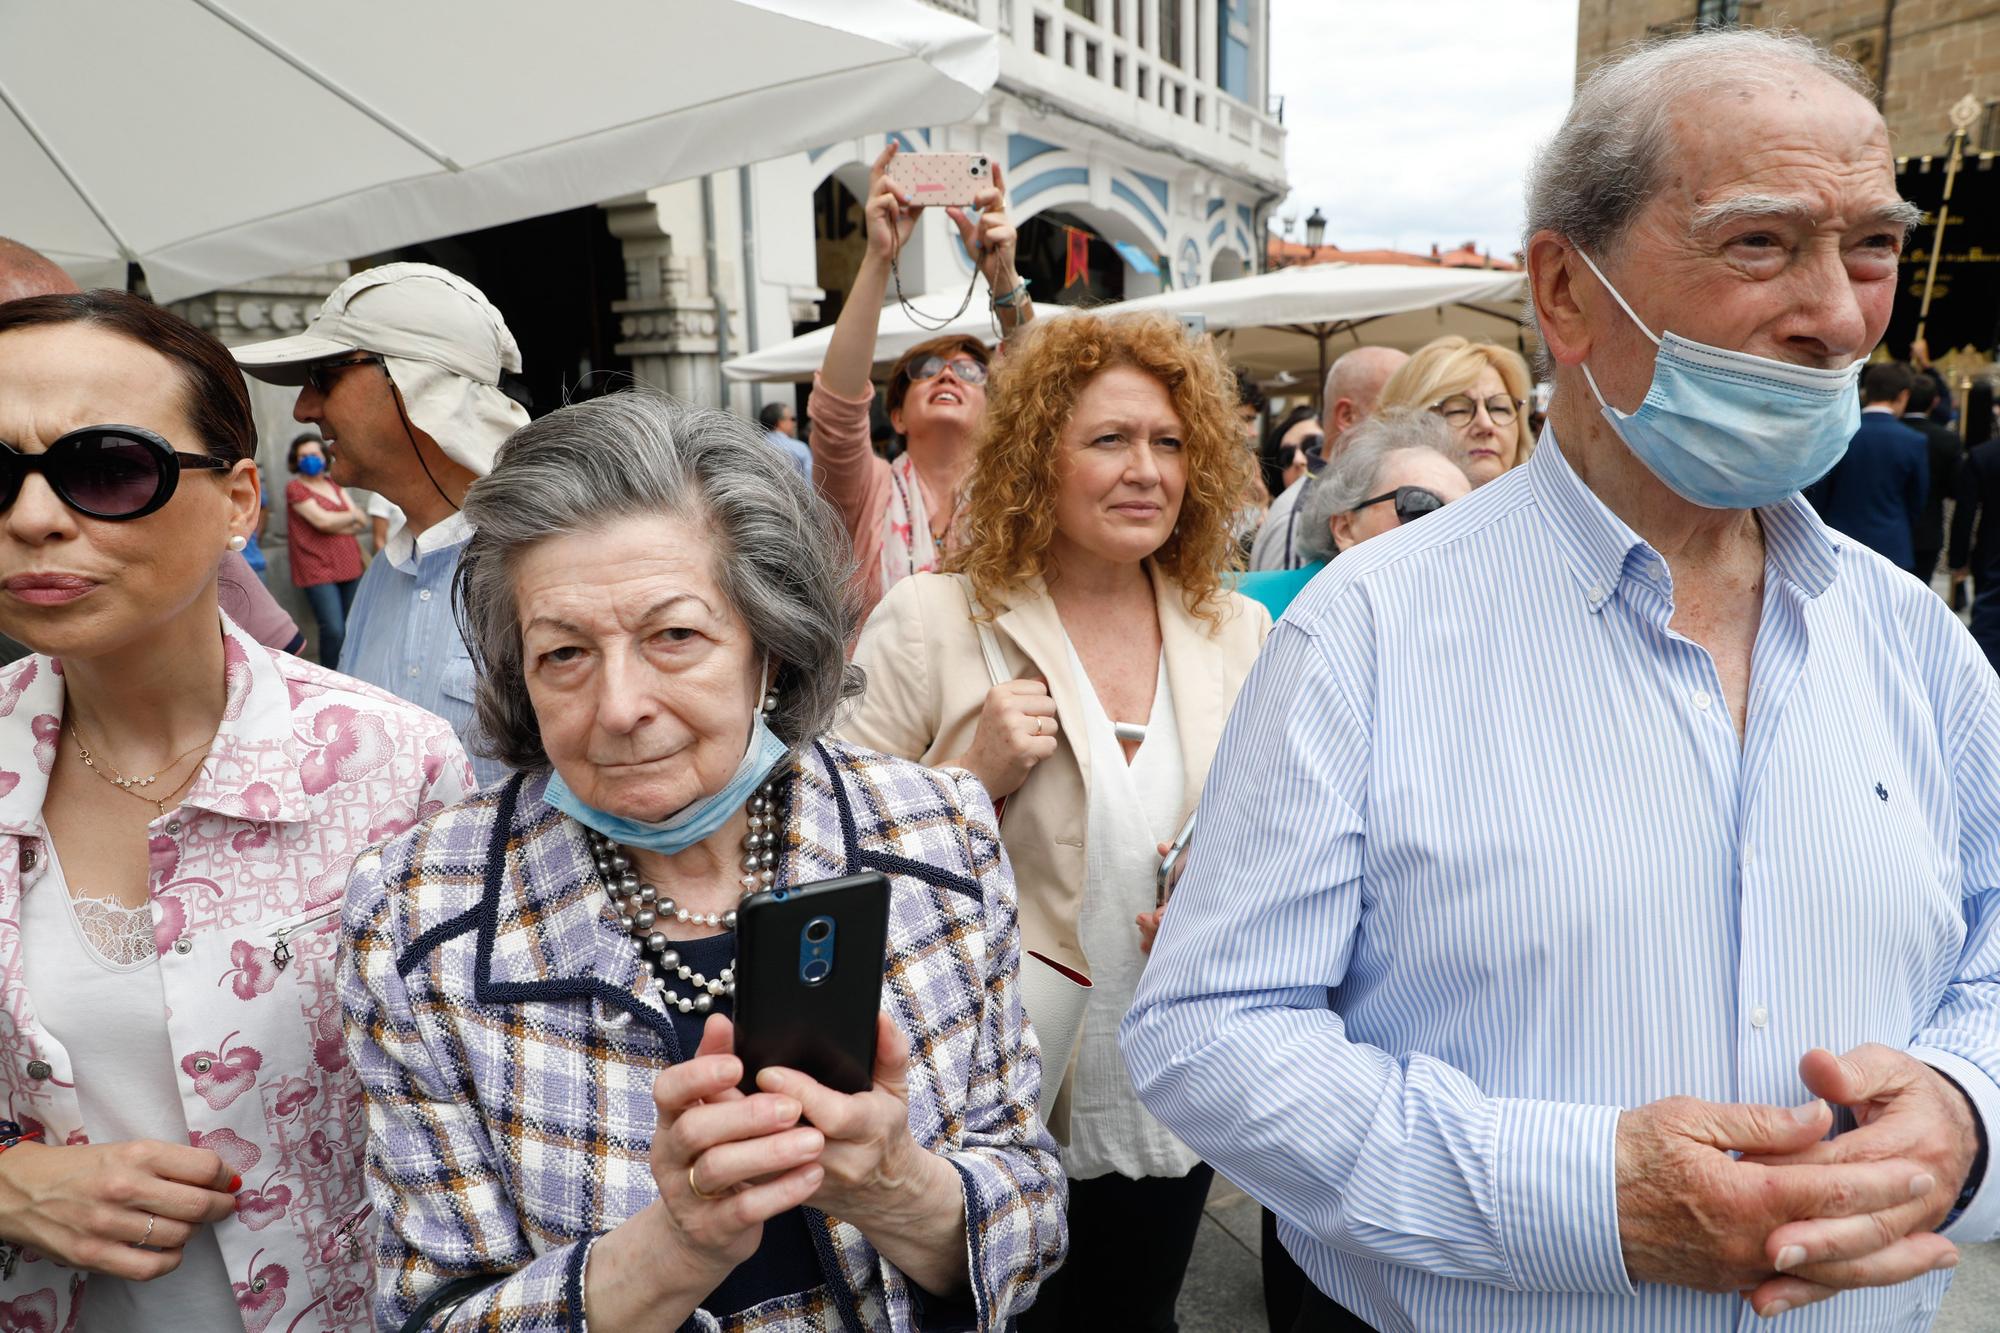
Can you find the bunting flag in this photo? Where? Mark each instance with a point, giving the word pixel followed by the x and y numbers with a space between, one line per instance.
pixel 1077 268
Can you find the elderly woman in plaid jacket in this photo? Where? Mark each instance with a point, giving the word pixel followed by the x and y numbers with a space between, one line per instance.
pixel 537 981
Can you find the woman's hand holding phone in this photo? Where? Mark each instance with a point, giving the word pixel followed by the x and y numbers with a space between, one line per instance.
pixel 890 215
pixel 876 1176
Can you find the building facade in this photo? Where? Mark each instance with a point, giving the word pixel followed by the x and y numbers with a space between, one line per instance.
pixel 1924 55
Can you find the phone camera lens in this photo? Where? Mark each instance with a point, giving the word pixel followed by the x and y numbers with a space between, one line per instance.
pixel 816 970
pixel 818 930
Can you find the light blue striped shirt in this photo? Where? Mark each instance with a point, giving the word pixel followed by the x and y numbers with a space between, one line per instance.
pixel 402 636
pixel 1481 862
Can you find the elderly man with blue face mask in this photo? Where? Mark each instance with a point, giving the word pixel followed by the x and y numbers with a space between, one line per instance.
pixel 1593 920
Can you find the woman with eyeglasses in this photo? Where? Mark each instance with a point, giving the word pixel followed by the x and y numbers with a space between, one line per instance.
pixel 1392 469
pixel 319 533
pixel 1079 661
pixel 900 513
pixel 179 809
pixel 1480 390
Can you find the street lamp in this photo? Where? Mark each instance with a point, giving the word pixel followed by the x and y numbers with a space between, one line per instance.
pixel 1315 230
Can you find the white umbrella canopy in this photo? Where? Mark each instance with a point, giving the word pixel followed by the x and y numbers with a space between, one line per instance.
pixel 1269 323
pixel 217 141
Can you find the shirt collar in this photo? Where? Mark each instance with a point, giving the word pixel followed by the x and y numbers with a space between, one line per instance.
pixel 251 771
pixel 1602 549
pixel 404 549
pixel 1884 408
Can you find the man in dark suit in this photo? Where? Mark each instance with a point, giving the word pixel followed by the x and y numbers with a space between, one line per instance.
pixel 1945 452
pixel 1976 550
pixel 1875 493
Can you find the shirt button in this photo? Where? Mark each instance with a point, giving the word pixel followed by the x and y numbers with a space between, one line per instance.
pixel 173 826
pixel 1702 699
pixel 424 596
pixel 1760 1017
pixel 203 1065
pixel 27 858
pixel 415 672
pixel 183 946
pixel 1597 592
pixel 39 1070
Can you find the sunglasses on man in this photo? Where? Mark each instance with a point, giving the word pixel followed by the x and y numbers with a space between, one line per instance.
pixel 1411 502
pixel 967 370
pixel 107 472
pixel 321 374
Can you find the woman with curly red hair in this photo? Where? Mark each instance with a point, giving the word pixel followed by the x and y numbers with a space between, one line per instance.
pixel 1079 659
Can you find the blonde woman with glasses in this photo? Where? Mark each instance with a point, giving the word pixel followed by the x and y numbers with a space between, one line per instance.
pixel 1481 390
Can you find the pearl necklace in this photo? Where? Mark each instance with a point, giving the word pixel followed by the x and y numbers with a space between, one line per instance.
pixel 643 910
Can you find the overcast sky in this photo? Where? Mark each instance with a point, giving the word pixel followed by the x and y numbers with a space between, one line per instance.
pixel 1413 121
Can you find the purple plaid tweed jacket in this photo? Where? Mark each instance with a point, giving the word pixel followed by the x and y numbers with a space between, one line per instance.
pixel 507 1046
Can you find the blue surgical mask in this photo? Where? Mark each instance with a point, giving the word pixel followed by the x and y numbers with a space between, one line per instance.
pixel 697 820
pixel 1731 430
pixel 312 465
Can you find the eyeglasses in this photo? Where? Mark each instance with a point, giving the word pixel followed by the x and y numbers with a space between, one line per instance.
pixel 1411 502
pixel 320 374
pixel 108 472
pixel 1459 409
pixel 968 370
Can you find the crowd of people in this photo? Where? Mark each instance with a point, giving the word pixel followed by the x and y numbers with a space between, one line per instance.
pixel 1573 910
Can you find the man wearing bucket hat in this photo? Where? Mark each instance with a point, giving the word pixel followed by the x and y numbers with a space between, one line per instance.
pixel 400 370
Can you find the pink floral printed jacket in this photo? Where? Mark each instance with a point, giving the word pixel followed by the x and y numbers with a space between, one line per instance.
pixel 309 768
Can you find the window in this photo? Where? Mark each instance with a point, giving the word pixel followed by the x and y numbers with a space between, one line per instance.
pixel 1139 18
pixel 1200 106
pixel 1087 8
pixel 1180 100
pixel 1117 71
pixel 1117 18
pixel 1145 81
pixel 1069 48
pixel 1717 13
pixel 1170 31
pixel 1090 59
pixel 1041 34
pixel 1232 68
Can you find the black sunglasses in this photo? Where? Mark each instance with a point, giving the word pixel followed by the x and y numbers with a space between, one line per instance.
pixel 1303 451
pixel 107 472
pixel 320 373
pixel 1411 502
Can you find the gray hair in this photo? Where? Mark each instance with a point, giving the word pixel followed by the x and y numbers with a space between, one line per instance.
pixel 781 555
pixel 1350 478
pixel 1612 154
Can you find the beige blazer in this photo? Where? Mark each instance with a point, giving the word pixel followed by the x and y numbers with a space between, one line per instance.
pixel 927 682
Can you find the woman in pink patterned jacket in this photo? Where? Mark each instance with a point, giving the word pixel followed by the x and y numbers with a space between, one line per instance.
pixel 179 808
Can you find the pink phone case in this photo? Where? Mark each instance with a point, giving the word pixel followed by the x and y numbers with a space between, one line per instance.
pixel 941 179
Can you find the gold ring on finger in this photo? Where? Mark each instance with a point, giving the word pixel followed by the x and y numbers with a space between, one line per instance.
pixel 698 1192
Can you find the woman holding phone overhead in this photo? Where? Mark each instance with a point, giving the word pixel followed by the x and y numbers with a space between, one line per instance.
pixel 1096 539
pixel 179 810
pixel 660 620
pixel 899 515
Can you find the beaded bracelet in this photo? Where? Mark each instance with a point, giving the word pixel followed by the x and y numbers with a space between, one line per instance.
pixel 1013 298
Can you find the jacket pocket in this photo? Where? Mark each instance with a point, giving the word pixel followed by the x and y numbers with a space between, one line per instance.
pixel 282 933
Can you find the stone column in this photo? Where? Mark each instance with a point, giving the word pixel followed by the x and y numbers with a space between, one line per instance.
pixel 666 319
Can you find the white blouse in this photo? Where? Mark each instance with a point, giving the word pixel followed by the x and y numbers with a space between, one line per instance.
pixel 94 974
pixel 1133 808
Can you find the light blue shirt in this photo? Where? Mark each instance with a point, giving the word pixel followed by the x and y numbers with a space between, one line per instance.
pixel 798 455
pixel 402 636
pixel 1481 862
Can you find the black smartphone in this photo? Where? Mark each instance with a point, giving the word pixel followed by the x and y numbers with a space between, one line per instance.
pixel 809 979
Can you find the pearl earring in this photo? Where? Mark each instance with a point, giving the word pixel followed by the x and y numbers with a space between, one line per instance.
pixel 238 542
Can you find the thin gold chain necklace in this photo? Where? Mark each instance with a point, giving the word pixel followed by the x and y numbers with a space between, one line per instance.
pixel 128 785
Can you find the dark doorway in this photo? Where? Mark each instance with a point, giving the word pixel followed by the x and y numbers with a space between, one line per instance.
pixel 1042 255
pixel 554 278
